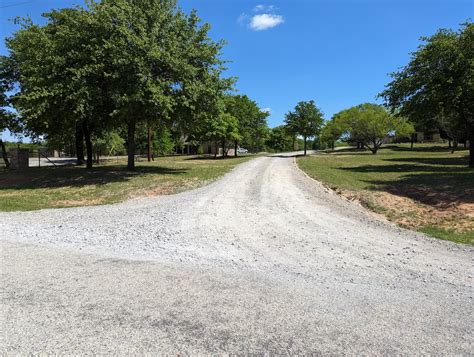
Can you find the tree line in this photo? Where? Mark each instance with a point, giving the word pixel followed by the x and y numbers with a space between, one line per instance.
pixel 433 92
pixel 116 69
pixel 145 75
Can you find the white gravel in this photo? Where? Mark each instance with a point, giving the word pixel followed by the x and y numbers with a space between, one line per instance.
pixel 262 261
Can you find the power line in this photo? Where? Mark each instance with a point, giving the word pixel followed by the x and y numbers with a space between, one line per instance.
pixel 13 5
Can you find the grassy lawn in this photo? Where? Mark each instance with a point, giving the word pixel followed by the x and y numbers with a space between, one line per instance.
pixel 67 186
pixel 427 188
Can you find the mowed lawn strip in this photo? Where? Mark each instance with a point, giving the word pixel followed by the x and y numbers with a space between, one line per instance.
pixel 426 188
pixel 109 182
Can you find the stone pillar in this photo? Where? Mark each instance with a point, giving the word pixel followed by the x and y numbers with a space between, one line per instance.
pixel 19 158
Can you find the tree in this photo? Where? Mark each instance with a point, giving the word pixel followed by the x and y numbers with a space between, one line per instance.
pixel 58 78
pixel 220 128
pixel 437 85
pixel 306 120
pixel 330 133
pixel 162 62
pixel 279 139
pixel 251 121
pixel 371 124
pixel 115 64
pixel 8 118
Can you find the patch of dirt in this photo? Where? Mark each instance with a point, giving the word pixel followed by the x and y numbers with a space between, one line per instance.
pixel 456 216
pixel 83 202
pixel 158 191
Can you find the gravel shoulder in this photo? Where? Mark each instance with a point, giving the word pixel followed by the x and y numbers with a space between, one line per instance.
pixel 263 260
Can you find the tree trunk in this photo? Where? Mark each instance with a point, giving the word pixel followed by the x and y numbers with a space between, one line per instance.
pixel 223 148
pixel 4 154
pixel 79 138
pixel 372 150
pixel 455 146
pixel 149 148
pixel 412 140
pixel 87 137
pixel 471 149
pixel 216 148
pixel 131 145
pixel 449 143
pixel 236 144
pixel 304 145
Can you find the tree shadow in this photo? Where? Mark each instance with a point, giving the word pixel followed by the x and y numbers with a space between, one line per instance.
pixel 428 184
pixel 73 176
pixel 347 150
pixel 283 156
pixel 211 157
pixel 436 148
pixel 442 161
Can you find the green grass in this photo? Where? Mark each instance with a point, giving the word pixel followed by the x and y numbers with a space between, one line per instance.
pixel 67 186
pixel 445 234
pixel 428 175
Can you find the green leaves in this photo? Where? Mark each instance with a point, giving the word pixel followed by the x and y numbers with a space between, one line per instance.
pixel 369 124
pixel 306 119
pixel 436 88
pixel 115 64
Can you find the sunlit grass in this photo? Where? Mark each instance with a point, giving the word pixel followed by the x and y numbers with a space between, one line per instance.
pixel 109 182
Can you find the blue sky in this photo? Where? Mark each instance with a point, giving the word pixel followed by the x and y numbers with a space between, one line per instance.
pixel 337 52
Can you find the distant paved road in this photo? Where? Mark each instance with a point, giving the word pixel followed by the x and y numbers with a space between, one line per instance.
pixel 263 260
pixel 58 161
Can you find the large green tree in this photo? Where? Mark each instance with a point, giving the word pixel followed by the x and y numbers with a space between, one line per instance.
pixel 252 124
pixel 59 78
pixel 279 139
pixel 306 120
pixel 436 88
pixel 115 64
pixel 330 133
pixel 370 124
pixel 162 61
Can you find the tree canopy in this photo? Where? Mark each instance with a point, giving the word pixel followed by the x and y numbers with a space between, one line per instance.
pixel 436 88
pixel 368 124
pixel 306 120
pixel 114 64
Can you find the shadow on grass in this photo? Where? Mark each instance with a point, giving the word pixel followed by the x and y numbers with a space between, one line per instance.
pixel 73 176
pixel 431 185
pixel 283 156
pixel 347 150
pixel 419 148
pixel 211 157
pixel 443 161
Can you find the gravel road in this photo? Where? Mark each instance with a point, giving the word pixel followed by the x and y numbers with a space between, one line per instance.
pixel 264 260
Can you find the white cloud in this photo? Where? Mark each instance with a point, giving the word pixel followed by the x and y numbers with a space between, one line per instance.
pixel 242 18
pixel 264 8
pixel 265 21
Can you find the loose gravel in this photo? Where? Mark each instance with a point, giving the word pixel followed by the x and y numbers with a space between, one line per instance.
pixel 264 260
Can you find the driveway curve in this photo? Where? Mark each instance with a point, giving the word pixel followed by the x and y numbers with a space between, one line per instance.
pixel 264 260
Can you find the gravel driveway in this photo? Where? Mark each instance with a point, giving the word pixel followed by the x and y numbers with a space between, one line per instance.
pixel 262 261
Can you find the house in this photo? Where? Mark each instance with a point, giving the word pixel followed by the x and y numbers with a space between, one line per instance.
pixel 427 137
pixel 210 148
